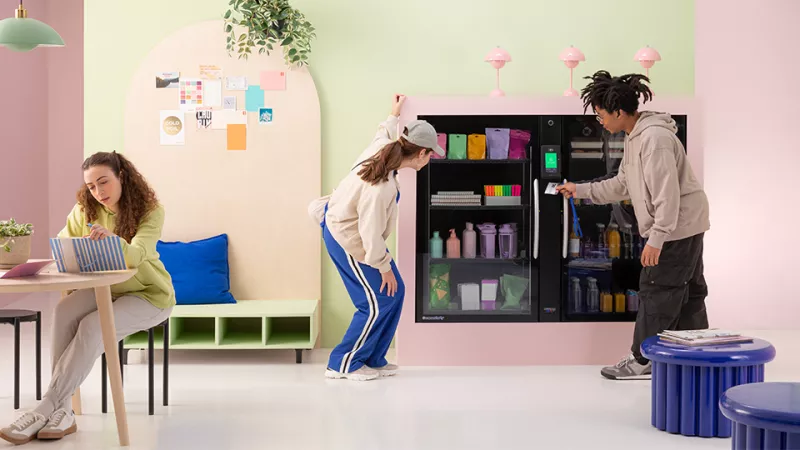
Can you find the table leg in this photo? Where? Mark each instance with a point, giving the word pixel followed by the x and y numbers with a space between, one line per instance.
pixel 106 313
pixel 38 355
pixel 77 406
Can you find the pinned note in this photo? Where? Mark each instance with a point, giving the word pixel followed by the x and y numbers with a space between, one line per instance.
pixel 273 80
pixel 254 98
pixel 237 136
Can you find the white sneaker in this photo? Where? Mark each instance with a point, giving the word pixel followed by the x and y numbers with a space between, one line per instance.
pixel 364 373
pixel 61 423
pixel 386 371
pixel 24 429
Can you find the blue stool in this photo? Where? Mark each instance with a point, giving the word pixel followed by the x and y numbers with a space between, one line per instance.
pixel 688 382
pixel 765 416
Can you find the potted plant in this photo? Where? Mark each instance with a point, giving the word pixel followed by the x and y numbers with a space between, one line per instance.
pixel 15 243
pixel 263 24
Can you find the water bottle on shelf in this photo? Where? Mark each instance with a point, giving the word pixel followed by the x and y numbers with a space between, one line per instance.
pixel 469 242
pixel 588 248
pixel 575 296
pixel 436 245
pixel 602 249
pixel 627 236
pixel 592 296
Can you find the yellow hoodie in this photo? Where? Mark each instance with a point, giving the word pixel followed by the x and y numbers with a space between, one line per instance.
pixel 152 282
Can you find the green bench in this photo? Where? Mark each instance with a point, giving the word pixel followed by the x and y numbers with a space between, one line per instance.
pixel 247 324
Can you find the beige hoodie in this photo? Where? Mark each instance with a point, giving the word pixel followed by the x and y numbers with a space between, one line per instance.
pixel 361 216
pixel 656 176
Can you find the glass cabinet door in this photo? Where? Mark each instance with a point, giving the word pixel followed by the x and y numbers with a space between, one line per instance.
pixel 474 259
pixel 602 268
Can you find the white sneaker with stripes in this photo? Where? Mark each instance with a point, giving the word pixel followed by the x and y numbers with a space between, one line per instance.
pixel 364 373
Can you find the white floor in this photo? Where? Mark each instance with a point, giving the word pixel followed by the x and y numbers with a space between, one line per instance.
pixel 249 400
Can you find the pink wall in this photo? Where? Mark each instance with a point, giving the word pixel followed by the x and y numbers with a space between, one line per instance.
pixel 41 125
pixel 746 71
pixel 23 134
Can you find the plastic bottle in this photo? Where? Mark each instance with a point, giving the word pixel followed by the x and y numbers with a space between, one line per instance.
pixel 633 300
pixel 606 302
pixel 587 248
pixel 436 245
pixel 488 238
pixel 614 241
pixel 574 245
pixel 453 245
pixel 575 296
pixel 506 241
pixel 469 242
pixel 592 296
pixel 627 237
pixel 619 302
pixel 601 241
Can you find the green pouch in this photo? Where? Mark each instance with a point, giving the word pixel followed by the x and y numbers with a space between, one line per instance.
pixel 439 278
pixel 457 146
pixel 513 288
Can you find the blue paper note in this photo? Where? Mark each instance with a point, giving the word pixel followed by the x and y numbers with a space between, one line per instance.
pixel 254 98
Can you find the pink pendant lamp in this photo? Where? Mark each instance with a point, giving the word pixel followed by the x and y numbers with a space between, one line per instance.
pixel 571 57
pixel 498 59
pixel 647 57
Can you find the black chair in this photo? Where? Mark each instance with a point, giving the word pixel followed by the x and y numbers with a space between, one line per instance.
pixel 16 317
pixel 123 359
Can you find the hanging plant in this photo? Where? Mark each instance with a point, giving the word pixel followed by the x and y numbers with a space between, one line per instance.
pixel 264 24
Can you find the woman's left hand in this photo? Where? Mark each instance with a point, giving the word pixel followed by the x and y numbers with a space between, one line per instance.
pixel 99 232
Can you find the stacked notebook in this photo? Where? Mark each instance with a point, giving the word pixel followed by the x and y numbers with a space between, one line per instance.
pixel 455 198
pixel 694 338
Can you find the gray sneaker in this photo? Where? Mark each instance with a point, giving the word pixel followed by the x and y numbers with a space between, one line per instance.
pixel 628 369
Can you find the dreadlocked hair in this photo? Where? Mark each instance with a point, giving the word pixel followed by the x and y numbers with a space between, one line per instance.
pixel 615 93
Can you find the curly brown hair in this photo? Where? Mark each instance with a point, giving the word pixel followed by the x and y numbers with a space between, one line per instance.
pixel 137 200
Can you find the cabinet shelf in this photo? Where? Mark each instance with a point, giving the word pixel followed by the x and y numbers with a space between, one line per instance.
pixel 479 207
pixel 479 261
pixel 480 161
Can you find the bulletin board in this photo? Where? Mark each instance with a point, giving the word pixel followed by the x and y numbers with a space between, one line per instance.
pixel 256 186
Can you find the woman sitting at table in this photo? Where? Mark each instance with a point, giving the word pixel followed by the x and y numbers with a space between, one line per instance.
pixel 115 200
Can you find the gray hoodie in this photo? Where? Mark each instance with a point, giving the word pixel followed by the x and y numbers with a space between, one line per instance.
pixel 656 176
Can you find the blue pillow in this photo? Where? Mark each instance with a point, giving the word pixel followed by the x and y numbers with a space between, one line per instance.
pixel 199 270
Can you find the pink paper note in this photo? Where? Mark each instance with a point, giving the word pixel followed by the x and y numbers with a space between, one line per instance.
pixel 273 80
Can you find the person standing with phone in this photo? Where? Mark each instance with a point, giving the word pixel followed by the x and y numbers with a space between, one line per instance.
pixel 671 209
pixel 356 220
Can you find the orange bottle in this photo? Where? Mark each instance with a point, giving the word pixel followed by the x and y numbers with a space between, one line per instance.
pixel 619 302
pixel 606 302
pixel 614 241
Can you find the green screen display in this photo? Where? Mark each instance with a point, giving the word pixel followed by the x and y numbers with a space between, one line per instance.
pixel 550 161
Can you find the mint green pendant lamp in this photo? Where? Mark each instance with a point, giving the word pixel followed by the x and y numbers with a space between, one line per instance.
pixel 21 33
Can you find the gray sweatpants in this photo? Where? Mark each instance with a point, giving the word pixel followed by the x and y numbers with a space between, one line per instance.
pixel 77 341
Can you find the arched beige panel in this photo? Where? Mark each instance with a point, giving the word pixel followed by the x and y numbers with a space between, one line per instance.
pixel 258 196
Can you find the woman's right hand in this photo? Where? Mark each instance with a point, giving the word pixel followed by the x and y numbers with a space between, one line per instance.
pixel 390 282
pixel 567 190
pixel 397 104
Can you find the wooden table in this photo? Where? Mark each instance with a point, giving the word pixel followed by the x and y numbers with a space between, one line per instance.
pixel 51 280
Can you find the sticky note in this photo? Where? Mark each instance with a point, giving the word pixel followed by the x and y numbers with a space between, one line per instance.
pixel 254 98
pixel 273 80
pixel 237 136
pixel 225 117
pixel 213 93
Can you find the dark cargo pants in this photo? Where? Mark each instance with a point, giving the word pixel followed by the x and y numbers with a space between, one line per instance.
pixel 672 294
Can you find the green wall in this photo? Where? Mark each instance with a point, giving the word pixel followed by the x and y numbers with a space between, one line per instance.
pixel 368 49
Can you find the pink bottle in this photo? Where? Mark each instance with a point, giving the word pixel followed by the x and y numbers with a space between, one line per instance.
pixel 453 245
pixel 470 242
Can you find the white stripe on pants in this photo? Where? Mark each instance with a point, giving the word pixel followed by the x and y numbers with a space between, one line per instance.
pixel 77 342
